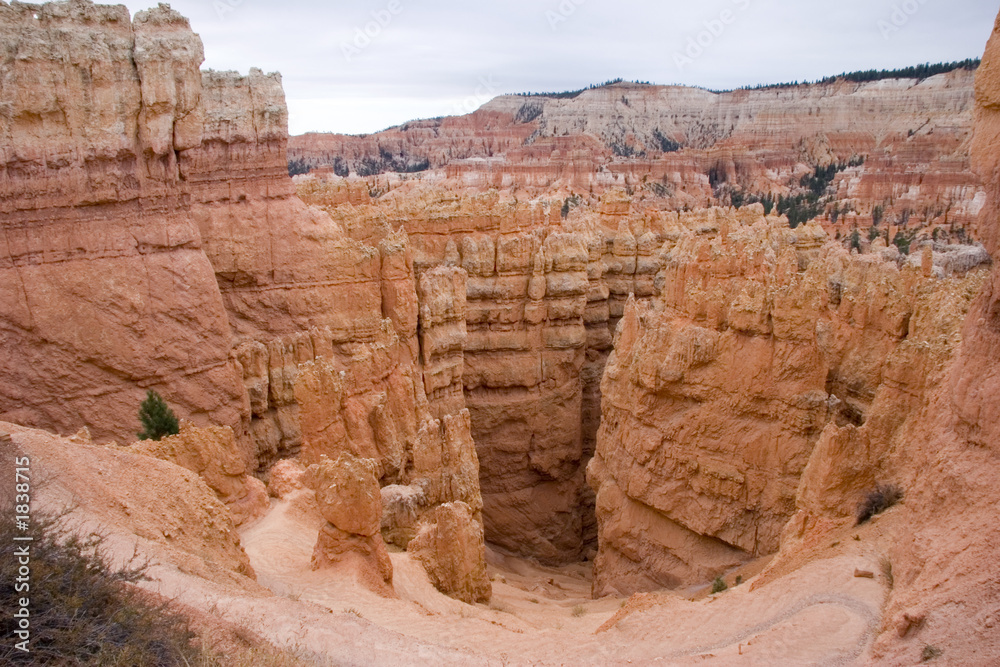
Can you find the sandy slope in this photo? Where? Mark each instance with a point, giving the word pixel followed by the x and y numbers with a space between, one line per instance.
pixel 819 614
pixel 812 611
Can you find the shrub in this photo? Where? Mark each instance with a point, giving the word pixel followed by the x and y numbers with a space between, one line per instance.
pixel 579 611
pixel 718 585
pixel 881 498
pixel 158 420
pixel 297 167
pixel 83 610
pixel 929 653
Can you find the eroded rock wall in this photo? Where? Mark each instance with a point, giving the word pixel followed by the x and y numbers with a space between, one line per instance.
pixel 689 145
pixel 153 238
pixel 721 395
pixel 106 288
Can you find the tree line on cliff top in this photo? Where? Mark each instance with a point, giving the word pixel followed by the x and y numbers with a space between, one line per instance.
pixel 923 71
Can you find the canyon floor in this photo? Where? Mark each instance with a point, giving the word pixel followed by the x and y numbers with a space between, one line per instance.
pixel 540 615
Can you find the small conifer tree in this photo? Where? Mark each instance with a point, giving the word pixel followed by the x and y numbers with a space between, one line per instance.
pixel 158 420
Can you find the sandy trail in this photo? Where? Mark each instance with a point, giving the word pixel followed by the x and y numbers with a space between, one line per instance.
pixel 819 614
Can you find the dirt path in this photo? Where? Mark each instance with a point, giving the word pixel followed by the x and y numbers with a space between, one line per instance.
pixel 820 614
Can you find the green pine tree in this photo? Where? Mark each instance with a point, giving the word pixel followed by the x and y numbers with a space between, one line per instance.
pixel 158 420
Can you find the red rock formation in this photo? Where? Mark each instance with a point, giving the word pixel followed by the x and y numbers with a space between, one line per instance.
pixel 720 398
pixel 213 454
pixel 347 493
pixel 915 134
pixel 152 237
pixel 449 547
pixel 106 289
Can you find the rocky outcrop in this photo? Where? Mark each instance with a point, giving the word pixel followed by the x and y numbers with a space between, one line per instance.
pixel 517 306
pixel 153 238
pixel 213 454
pixel 347 493
pixel 727 393
pixel 161 508
pixel 106 289
pixel 450 547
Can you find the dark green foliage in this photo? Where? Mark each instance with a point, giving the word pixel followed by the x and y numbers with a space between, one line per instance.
pixel 873 233
pixel 622 149
pixel 915 72
pixel 665 143
pixel 340 167
pixel 822 177
pixel 84 611
pixel 528 112
pixel 156 417
pixel 856 240
pixel 299 166
pixel 903 241
pixel 389 161
pixel 570 94
pixel 738 198
pixel 877 214
pixel 718 585
pixel 565 209
pixel 878 500
pixel 799 208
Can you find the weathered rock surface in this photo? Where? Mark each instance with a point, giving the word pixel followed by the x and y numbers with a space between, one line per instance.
pixel 169 509
pixel 347 493
pixel 285 477
pixel 451 548
pixel 728 392
pixel 105 288
pixel 682 144
pixel 213 454
pixel 516 307
pixel 153 238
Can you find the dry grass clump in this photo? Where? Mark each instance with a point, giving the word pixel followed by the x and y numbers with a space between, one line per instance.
pixel 878 500
pixel 83 610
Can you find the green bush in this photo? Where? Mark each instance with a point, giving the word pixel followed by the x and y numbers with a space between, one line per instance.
pixel 718 585
pixel 158 420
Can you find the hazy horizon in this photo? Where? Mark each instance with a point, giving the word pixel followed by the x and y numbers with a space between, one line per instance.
pixel 366 66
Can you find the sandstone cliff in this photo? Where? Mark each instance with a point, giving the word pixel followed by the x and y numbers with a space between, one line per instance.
pixel 106 288
pixel 153 238
pixel 716 398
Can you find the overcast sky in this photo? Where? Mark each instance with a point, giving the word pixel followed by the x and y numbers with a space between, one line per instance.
pixel 363 65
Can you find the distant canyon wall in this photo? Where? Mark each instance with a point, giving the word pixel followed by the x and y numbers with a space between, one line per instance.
pixel 682 144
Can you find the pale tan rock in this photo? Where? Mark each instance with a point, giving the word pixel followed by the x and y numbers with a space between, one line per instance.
pixel 286 477
pixel 214 455
pixel 347 492
pixel 450 547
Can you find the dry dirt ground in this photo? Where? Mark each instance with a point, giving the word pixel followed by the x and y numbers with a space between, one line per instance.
pixel 814 612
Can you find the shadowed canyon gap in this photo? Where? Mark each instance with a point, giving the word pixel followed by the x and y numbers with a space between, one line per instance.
pixel 528 342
